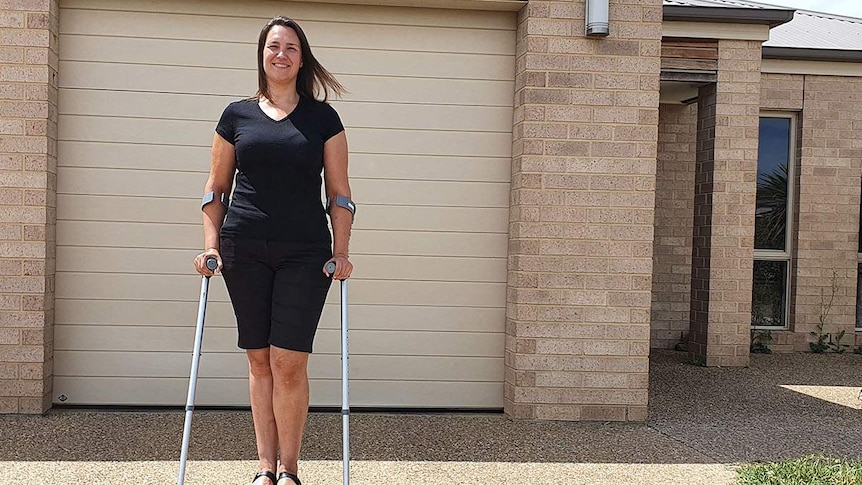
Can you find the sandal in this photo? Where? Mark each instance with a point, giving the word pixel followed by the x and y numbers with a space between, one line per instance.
pixel 289 475
pixel 266 473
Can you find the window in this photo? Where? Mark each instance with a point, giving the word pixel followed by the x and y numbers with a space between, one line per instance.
pixel 773 219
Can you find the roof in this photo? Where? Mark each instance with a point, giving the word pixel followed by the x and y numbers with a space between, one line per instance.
pixel 809 35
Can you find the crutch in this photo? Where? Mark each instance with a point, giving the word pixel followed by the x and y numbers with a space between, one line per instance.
pixel 345 401
pixel 211 264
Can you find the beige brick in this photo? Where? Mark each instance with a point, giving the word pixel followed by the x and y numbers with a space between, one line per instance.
pixel 11 55
pixel 11 91
pixel 636 413
pixel 20 388
pixel 9 405
pixel 10 336
pixel 603 413
pixel 30 303
pixel 35 92
pixel 34 337
pixel 11 19
pixel 38 20
pixel 34 405
pixel 28 38
pixel 9 371
pixel 34 371
pixel 16 144
pixel 10 302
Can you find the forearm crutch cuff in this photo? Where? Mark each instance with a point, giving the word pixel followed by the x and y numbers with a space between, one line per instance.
pixel 210 197
pixel 342 201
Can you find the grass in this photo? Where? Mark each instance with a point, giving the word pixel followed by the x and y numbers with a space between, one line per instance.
pixel 807 470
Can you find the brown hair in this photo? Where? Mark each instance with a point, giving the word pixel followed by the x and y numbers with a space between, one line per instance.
pixel 312 75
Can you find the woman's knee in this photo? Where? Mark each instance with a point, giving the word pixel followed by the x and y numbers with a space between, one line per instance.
pixel 259 363
pixel 288 364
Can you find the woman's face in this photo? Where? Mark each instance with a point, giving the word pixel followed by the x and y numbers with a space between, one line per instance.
pixel 282 55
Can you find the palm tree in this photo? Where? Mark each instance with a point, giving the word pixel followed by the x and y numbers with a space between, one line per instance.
pixel 771 212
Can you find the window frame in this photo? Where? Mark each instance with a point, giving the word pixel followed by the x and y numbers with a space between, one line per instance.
pixel 785 254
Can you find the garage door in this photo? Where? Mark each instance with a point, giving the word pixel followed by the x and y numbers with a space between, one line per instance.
pixel 429 120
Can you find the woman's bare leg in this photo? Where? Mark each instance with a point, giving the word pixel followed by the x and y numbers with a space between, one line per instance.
pixel 290 403
pixel 261 390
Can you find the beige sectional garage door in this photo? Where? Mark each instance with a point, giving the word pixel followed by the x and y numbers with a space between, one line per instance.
pixel 429 119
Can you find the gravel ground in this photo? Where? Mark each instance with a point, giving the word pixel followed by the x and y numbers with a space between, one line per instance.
pixel 702 422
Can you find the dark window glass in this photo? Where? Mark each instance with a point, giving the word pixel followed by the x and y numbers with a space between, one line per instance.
pixel 772 167
pixel 768 293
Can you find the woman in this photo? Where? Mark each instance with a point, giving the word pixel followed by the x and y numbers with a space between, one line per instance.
pixel 274 243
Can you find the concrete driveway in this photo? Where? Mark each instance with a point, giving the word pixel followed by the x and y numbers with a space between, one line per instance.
pixel 702 422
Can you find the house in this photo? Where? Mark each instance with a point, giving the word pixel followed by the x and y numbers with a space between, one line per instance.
pixel 538 208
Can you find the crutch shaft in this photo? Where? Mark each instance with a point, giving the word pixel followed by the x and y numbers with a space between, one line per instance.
pixel 211 263
pixel 345 400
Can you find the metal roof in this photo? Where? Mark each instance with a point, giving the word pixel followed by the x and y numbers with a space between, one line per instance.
pixel 807 30
pixel 808 35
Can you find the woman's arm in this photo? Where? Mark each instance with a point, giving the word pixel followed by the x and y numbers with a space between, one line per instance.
pixel 337 183
pixel 220 182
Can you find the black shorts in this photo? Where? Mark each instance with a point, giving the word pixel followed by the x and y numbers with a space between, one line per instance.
pixel 277 291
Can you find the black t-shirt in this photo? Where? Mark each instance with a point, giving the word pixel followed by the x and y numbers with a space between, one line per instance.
pixel 277 195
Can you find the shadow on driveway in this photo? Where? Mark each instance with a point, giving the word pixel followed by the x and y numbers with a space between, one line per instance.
pixel 697 415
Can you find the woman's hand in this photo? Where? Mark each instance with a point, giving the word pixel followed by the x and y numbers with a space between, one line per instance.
pixel 200 262
pixel 343 267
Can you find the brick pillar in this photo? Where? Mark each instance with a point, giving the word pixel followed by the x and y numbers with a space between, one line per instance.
pixel 581 221
pixel 28 175
pixel 725 198
pixel 674 210
pixel 827 216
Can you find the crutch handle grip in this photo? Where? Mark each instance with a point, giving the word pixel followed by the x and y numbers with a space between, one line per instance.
pixel 330 267
pixel 211 263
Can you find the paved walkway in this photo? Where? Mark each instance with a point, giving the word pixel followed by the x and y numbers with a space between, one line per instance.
pixel 702 421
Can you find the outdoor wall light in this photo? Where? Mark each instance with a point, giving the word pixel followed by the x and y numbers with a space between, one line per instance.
pixel 597 18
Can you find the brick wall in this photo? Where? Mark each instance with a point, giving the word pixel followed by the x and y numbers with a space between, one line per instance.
pixel 827 212
pixel 674 210
pixel 581 221
pixel 725 193
pixel 781 91
pixel 28 169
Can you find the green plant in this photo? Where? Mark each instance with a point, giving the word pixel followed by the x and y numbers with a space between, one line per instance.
pixel 760 341
pixel 827 341
pixel 805 470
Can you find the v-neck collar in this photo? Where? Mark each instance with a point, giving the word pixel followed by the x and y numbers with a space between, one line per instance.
pixel 287 116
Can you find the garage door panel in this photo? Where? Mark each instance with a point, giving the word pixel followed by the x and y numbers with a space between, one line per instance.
pixel 169 106
pixel 383 267
pixel 256 13
pixel 239 84
pixel 182 288
pixel 188 236
pixel 234 392
pixel 328 341
pixel 187 211
pixel 362 165
pixel 220 314
pixel 149 183
pixel 231 31
pixel 200 133
pixel 233 365
pixel 172 52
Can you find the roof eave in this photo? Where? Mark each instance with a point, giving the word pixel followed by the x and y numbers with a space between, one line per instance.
pixel 800 54
pixel 764 16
